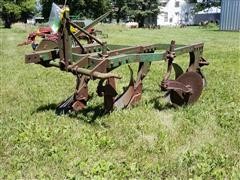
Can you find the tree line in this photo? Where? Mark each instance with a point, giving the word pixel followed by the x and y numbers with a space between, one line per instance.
pixel 136 10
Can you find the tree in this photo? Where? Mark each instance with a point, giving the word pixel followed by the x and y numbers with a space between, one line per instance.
pixel 95 8
pixel 84 8
pixel 206 4
pixel 140 9
pixel 76 6
pixel 13 11
pixel 121 9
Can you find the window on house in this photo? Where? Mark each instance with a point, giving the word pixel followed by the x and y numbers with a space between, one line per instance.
pixel 170 20
pixel 177 13
pixel 166 17
pixel 177 4
pixel 186 17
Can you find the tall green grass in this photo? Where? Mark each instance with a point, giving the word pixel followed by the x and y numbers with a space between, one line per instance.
pixel 148 141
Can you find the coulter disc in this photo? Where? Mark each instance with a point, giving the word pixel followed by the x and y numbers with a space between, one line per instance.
pixel 192 80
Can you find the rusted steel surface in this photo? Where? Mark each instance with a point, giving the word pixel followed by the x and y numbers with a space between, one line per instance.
pixel 190 91
pixel 50 39
pixel 96 62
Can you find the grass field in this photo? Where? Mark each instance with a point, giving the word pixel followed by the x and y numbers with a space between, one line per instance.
pixel 148 141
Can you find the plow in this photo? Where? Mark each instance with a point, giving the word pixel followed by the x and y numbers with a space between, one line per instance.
pixel 97 62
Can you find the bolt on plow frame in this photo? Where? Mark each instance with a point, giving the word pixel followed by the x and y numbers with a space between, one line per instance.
pixel 97 61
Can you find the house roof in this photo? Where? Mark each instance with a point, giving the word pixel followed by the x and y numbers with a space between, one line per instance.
pixel 210 10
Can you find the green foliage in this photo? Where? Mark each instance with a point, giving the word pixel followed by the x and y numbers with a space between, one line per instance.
pixel 148 141
pixel 76 6
pixel 96 8
pixel 13 11
pixel 136 10
pixel 121 9
pixel 203 5
pixel 84 8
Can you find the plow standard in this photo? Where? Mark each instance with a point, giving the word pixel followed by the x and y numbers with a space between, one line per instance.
pixel 97 61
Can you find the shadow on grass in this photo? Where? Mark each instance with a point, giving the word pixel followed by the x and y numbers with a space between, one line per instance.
pixel 89 115
pixel 161 106
pixel 47 107
pixel 92 113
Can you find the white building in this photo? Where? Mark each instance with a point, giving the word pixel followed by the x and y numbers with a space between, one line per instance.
pixel 175 12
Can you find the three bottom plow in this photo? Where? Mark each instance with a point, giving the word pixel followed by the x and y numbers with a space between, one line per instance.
pixel 97 61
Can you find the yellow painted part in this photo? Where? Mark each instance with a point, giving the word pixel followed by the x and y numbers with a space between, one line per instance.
pixel 61 14
pixel 72 29
pixel 66 9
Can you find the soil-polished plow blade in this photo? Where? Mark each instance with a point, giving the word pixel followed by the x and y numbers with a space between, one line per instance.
pixel 125 98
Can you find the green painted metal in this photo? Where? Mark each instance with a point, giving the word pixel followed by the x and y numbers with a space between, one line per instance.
pixel 118 60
